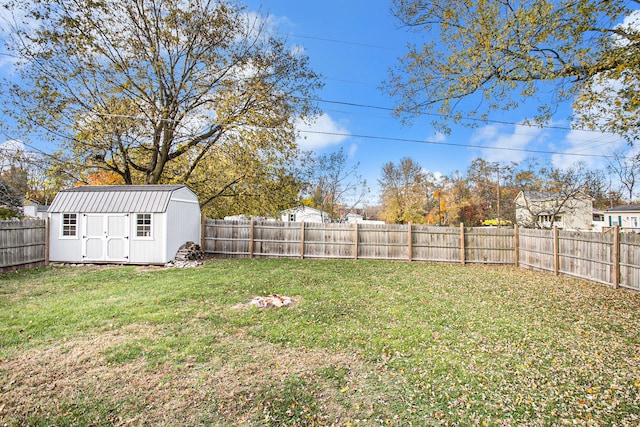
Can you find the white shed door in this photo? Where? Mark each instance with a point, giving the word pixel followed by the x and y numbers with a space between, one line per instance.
pixel 106 237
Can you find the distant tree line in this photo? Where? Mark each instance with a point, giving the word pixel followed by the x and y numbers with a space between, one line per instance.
pixel 487 190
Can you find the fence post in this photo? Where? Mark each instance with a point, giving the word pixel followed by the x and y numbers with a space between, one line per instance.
pixel 462 247
pixel 616 257
pixel 251 238
pixel 47 235
pixel 203 232
pixel 302 239
pixel 516 245
pixel 355 240
pixel 409 242
pixel 556 251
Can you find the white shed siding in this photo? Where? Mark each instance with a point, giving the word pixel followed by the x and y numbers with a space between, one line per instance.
pixel 185 227
pixel 68 249
pixel 145 250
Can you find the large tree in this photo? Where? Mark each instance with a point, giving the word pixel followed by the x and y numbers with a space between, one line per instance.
pixel 405 189
pixel 152 90
pixel 625 166
pixel 236 180
pixel 333 184
pixel 492 189
pixel 498 53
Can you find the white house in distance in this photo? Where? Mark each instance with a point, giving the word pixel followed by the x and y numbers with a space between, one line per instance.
pixel 304 214
pixel 544 210
pixel 32 209
pixel 625 216
pixel 136 224
pixel 598 220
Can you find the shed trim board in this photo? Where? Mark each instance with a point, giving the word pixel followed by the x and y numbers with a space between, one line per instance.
pixel 137 224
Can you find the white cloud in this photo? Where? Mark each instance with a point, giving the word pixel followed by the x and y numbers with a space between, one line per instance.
pixel 12 147
pixel 630 21
pixel 595 145
pixel 324 132
pixel 13 153
pixel 438 137
pixel 503 145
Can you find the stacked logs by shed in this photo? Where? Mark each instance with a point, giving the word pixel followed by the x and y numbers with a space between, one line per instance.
pixel 189 255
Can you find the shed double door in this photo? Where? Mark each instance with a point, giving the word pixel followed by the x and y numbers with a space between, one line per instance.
pixel 105 237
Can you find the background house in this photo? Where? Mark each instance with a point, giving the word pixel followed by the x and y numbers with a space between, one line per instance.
pixel 352 217
pixel 32 209
pixel 304 214
pixel 625 216
pixel 598 222
pixel 544 210
pixel 138 224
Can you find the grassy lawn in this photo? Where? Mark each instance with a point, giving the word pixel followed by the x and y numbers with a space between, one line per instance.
pixel 366 343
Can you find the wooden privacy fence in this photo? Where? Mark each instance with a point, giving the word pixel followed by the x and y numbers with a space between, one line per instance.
pixel 23 244
pixel 612 259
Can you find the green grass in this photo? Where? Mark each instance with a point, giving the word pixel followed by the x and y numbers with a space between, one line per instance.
pixel 366 343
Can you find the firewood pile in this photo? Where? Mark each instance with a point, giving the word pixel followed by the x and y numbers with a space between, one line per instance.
pixel 189 255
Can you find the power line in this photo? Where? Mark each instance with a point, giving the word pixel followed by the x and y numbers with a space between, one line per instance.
pixel 443 116
pixel 453 144
pixel 398 139
pixel 338 41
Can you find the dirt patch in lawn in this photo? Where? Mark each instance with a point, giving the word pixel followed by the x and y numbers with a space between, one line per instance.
pixel 246 381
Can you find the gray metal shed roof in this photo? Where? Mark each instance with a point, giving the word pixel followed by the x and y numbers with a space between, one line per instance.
pixel 114 198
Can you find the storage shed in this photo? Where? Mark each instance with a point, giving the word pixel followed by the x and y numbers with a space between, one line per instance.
pixel 136 224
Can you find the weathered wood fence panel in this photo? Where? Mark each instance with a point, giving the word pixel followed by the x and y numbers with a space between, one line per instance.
pixel 630 261
pixel 226 238
pixel 328 240
pixel 275 239
pixel 383 241
pixel 586 255
pixel 536 249
pixel 440 244
pixel 612 259
pixel 489 245
pixel 23 244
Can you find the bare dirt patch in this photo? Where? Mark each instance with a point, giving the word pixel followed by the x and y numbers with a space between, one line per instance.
pixel 237 387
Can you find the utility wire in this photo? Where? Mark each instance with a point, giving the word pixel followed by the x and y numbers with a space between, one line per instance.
pixel 443 116
pixel 484 147
pixel 408 140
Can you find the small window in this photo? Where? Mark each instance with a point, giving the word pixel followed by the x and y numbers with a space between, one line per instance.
pixel 69 225
pixel 143 225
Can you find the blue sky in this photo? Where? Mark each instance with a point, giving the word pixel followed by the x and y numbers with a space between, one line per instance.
pixel 353 44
